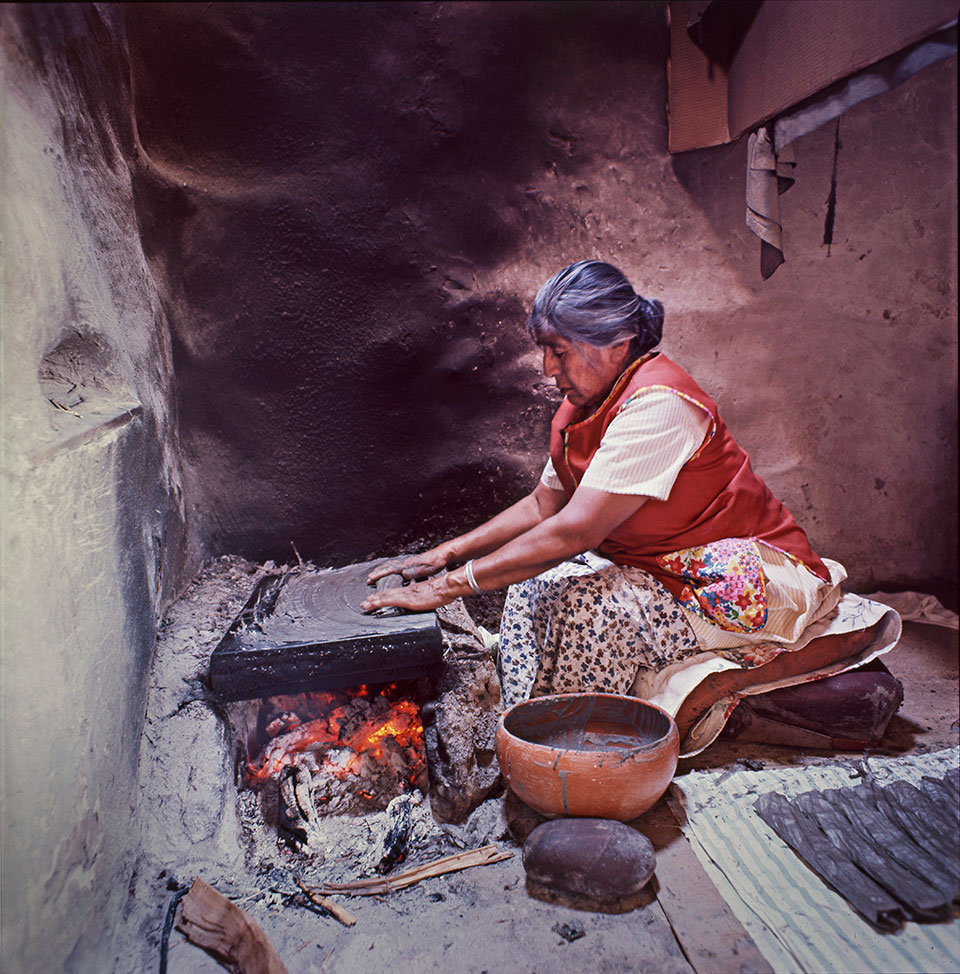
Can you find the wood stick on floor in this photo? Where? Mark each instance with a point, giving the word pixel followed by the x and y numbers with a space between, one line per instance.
pixel 334 909
pixel 449 864
pixel 211 921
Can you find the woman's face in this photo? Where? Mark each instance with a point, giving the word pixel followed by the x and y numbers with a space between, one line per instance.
pixel 583 373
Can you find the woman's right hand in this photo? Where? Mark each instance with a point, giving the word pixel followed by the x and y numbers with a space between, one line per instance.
pixel 414 568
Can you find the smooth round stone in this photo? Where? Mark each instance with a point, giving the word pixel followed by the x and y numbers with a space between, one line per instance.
pixel 593 857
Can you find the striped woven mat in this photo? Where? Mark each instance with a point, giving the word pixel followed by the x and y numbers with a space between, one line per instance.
pixel 798 922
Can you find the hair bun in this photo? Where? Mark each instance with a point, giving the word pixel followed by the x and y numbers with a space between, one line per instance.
pixel 651 313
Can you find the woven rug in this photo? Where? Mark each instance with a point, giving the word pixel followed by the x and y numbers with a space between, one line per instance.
pixel 796 920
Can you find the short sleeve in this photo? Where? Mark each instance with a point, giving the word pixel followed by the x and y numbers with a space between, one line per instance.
pixel 549 477
pixel 652 436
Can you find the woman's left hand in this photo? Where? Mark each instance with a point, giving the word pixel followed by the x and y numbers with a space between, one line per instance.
pixel 416 597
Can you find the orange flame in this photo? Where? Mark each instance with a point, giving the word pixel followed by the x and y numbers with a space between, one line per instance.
pixel 402 723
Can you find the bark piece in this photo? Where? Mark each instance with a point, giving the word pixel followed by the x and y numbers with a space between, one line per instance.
pixel 859 805
pixel 211 921
pixel 902 884
pixel 338 912
pixel 899 836
pixel 596 858
pixel 924 820
pixel 945 796
pixel 804 836
pixel 448 864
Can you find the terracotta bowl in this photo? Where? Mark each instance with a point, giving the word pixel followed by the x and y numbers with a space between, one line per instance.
pixel 597 755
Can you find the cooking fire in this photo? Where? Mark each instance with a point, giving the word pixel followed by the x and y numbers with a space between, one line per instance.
pixel 341 751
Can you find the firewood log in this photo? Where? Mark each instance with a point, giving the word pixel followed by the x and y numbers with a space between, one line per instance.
pixel 211 921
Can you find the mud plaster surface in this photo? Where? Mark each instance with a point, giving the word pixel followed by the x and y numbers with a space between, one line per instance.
pixel 482 919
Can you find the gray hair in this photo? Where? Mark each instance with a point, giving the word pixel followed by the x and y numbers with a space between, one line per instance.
pixel 593 303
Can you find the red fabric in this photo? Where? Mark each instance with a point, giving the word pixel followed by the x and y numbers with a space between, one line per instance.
pixel 826 655
pixel 716 494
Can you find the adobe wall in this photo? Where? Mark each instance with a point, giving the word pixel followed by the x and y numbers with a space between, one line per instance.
pixel 93 525
pixel 350 209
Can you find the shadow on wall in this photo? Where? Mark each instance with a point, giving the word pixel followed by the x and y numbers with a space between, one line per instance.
pixel 323 192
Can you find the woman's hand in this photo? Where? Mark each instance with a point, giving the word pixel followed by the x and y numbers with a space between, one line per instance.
pixel 509 524
pixel 413 568
pixel 416 597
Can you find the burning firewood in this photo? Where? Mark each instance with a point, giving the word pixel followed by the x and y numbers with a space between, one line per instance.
pixel 282 723
pixel 211 921
pixel 346 754
pixel 394 842
pixel 294 811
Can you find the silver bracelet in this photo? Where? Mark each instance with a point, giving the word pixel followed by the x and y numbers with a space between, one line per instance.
pixel 471 578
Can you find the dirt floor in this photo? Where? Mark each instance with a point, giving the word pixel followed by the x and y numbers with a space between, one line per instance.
pixel 481 919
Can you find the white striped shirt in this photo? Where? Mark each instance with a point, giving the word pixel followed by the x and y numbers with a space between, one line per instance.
pixel 653 435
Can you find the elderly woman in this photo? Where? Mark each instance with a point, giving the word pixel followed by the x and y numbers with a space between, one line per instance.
pixel 648 540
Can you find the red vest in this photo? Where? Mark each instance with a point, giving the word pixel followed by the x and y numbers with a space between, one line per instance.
pixel 716 495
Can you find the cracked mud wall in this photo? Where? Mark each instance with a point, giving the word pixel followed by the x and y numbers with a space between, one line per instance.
pixel 92 520
pixel 350 208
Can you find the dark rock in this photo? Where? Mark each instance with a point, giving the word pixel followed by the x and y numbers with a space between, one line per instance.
pixel 591 857
pixel 569 931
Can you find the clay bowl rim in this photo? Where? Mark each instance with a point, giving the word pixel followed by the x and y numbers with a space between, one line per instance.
pixel 639 749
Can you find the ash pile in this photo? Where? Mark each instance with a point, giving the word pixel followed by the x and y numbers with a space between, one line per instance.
pixel 360 778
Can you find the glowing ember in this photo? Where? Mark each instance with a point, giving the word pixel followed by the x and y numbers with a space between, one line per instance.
pixel 370 741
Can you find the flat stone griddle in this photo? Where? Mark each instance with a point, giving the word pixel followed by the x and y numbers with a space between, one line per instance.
pixel 304 631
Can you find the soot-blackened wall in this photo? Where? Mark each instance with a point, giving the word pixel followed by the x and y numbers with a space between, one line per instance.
pixel 350 207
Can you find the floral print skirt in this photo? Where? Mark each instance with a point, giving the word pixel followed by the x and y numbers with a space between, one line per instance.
pixel 588 625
